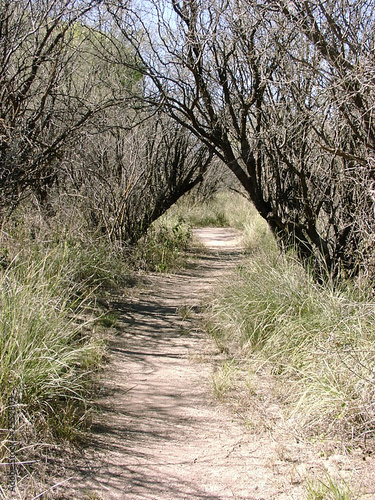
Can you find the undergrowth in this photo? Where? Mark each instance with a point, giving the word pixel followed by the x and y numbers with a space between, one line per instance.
pixel 164 246
pixel 202 213
pixel 317 340
pixel 53 274
pixel 51 349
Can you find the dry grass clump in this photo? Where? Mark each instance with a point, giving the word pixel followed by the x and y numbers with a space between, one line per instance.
pixel 45 354
pixel 49 357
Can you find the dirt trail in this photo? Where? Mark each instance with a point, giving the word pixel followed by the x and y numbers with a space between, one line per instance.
pixel 161 435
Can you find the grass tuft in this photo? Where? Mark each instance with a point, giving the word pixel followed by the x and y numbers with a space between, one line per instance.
pixel 223 378
pixel 317 340
pixel 328 489
pixel 46 356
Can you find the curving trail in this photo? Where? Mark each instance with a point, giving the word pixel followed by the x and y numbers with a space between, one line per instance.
pixel 160 434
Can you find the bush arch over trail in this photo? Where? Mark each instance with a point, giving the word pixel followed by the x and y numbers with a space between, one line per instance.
pixel 281 92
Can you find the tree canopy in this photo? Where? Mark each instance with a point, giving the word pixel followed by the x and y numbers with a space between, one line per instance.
pixel 283 93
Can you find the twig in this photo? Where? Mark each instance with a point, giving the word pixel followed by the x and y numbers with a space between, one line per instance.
pixel 12 440
pixel 52 488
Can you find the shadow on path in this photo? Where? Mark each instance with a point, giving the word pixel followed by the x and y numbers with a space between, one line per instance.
pixel 158 435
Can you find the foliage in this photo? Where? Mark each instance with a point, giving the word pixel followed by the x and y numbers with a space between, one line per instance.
pixel 39 113
pixel 91 261
pixel 163 248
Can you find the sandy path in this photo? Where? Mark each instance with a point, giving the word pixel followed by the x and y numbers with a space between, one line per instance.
pixel 160 434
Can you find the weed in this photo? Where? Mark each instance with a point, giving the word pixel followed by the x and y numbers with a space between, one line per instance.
pixel 162 249
pixel 223 378
pixel 328 489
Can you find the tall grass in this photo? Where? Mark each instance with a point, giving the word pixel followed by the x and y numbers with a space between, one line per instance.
pixel 164 246
pixel 50 277
pixel 51 349
pixel 317 340
pixel 46 356
pixel 208 213
pixel 48 351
